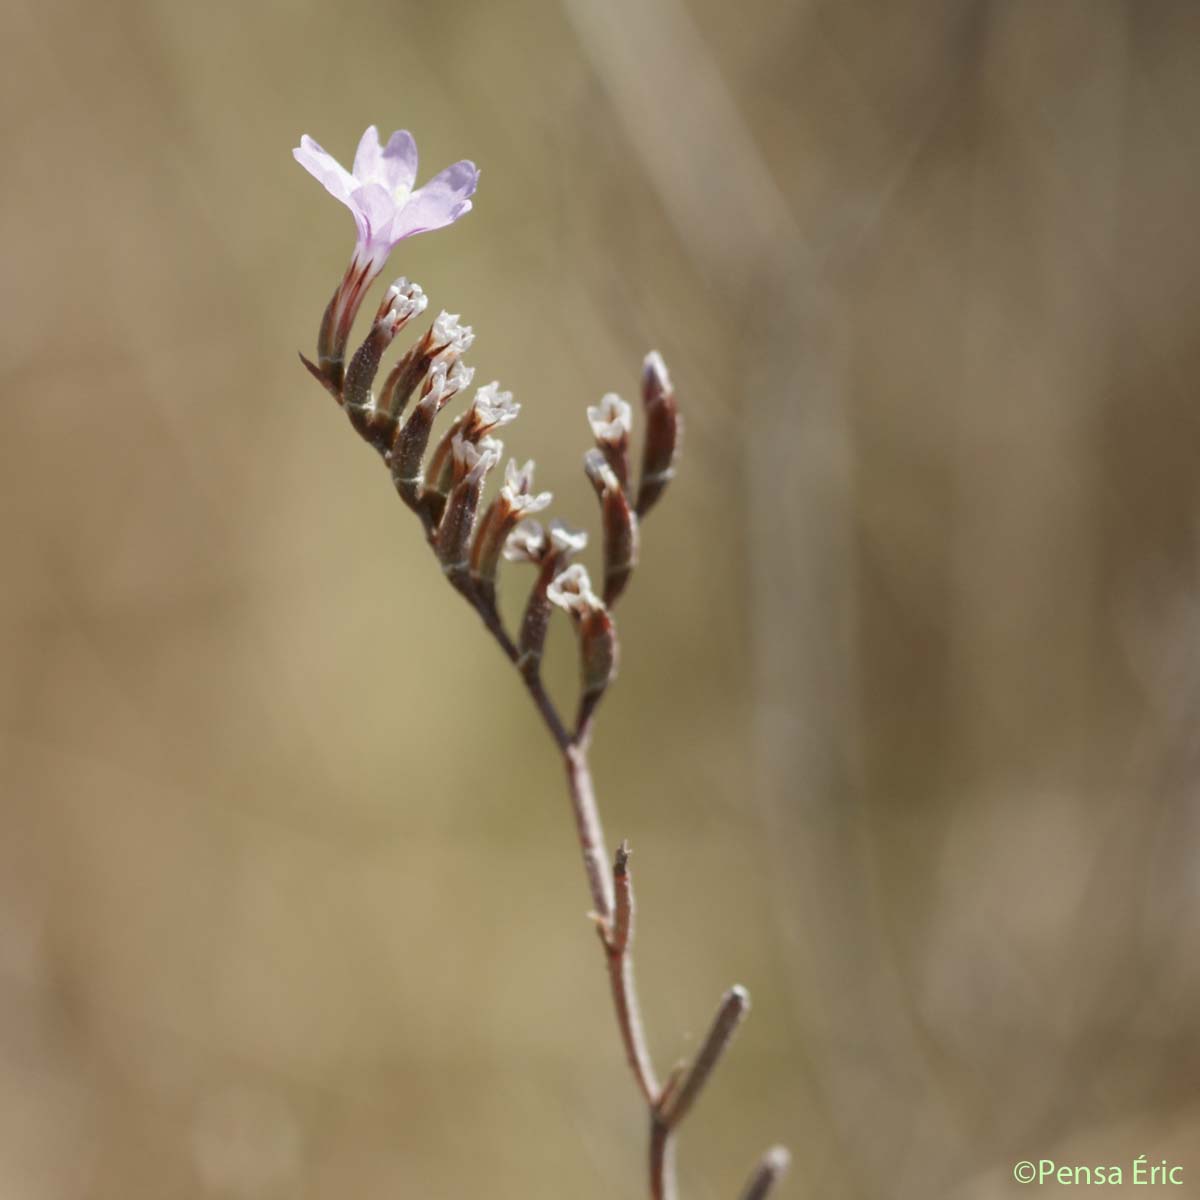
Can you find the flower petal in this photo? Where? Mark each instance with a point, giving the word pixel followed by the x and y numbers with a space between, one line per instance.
pixel 440 202
pixel 374 212
pixel 368 158
pixel 399 164
pixel 324 167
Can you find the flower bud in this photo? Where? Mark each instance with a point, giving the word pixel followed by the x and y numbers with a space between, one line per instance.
pixel 471 464
pixel 571 589
pixel 450 337
pixel 337 321
pixel 529 542
pixel 611 420
pixel 662 432
pixel 620 526
pixel 402 301
pixel 515 502
pixel 408 450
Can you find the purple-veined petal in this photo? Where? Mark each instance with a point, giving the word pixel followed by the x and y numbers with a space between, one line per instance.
pixel 440 202
pixel 319 163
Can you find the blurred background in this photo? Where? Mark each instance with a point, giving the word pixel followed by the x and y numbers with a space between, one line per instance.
pixel 904 738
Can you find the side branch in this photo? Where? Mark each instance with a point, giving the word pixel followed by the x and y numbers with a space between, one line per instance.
pixel 620 973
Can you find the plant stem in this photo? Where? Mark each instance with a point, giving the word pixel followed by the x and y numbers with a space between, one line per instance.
pixel 591 835
pixel 612 894
pixel 662 1160
pixel 620 972
pixel 612 898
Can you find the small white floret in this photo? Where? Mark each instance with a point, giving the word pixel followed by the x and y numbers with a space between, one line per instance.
pixel 611 419
pixel 494 408
pixel 451 335
pixel 526 543
pixel 567 540
pixel 572 589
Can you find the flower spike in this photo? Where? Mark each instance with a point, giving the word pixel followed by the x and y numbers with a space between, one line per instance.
pixel 468 538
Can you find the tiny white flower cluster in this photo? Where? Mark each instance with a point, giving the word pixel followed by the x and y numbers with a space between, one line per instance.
pixel 442 384
pixel 529 542
pixel 451 336
pixel 611 420
pixel 446 375
pixel 403 301
pixel 492 408
pixel 572 590
pixel 473 460
pixel 517 490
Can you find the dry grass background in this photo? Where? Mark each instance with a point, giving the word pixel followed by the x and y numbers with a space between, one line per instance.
pixel 905 734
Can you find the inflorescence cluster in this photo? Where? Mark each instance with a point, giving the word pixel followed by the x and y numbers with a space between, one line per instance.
pixel 442 475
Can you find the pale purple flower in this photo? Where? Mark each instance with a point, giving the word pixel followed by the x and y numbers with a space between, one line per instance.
pixel 380 195
pixel 386 208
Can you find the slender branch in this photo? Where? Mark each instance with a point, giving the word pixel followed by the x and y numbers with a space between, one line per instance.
pixel 613 909
pixel 591 835
pixel 620 973
pixel 734 1006
pixel 532 680
pixel 662 1161
pixel 675 1077
pixel 549 714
